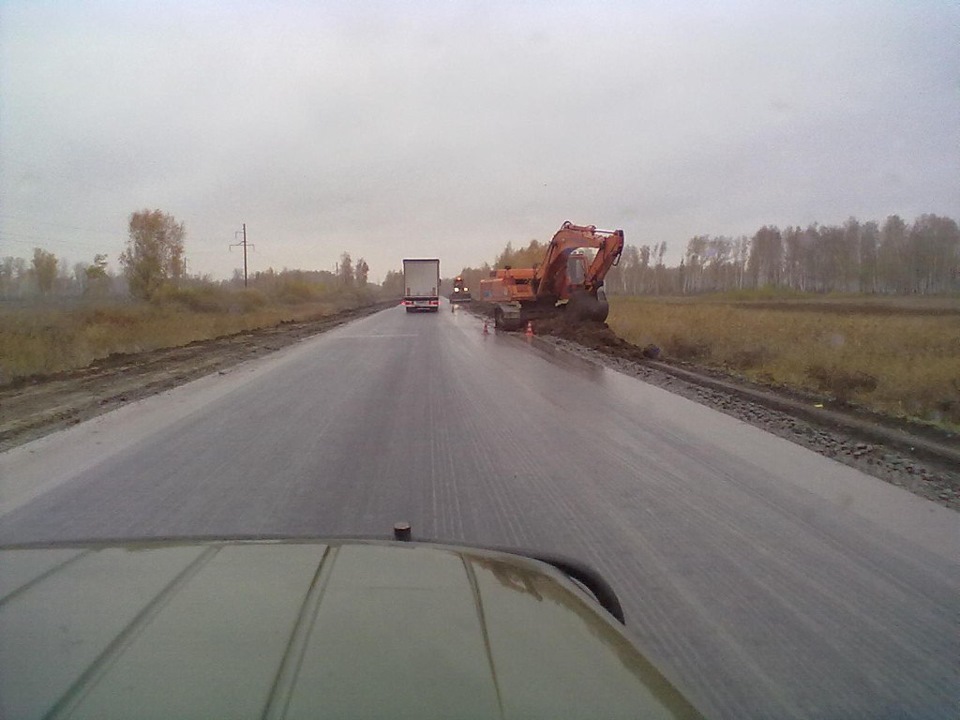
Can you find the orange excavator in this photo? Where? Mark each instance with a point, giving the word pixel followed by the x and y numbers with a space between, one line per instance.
pixel 567 281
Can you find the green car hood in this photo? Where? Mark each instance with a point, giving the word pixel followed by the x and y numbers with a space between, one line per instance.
pixel 310 629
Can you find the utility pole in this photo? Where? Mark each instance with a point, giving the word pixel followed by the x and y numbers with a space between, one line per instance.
pixel 244 244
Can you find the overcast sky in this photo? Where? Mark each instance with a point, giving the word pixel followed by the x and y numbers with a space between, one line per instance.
pixel 429 128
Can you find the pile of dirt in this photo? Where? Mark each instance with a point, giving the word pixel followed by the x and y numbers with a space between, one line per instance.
pixel 596 335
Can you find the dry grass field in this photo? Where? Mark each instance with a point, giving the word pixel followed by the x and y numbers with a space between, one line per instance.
pixel 899 356
pixel 40 340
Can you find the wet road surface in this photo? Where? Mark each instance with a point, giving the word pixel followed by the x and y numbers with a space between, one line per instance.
pixel 765 580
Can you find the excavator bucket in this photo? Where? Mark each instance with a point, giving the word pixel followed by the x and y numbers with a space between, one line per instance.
pixel 583 306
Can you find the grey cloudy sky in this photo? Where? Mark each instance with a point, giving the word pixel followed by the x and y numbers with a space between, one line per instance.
pixel 428 128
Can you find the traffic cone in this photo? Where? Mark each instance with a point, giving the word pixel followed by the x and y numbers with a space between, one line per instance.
pixel 486 330
pixel 529 331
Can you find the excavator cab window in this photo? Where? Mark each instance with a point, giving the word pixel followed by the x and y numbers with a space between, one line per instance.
pixel 576 268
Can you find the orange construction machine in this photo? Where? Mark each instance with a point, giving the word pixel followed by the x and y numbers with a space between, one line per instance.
pixel 567 280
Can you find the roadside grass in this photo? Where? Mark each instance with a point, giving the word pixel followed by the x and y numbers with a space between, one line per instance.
pixel 42 340
pixel 897 356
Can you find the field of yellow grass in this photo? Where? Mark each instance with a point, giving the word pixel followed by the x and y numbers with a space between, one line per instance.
pixel 897 356
pixel 43 340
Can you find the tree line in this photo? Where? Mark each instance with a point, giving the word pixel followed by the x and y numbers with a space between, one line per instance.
pixel 922 257
pixel 47 275
pixel 894 257
pixel 153 262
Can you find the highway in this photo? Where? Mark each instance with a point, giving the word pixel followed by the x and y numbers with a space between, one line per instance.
pixel 763 579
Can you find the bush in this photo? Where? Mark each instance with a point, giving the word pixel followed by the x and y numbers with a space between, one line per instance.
pixel 294 292
pixel 248 300
pixel 204 298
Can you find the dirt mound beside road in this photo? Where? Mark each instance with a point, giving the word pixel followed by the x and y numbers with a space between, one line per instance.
pixel 597 335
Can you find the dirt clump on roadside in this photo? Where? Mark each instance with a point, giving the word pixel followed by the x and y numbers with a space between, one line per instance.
pixel 597 335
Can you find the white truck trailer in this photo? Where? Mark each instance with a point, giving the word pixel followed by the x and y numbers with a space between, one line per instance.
pixel 421 283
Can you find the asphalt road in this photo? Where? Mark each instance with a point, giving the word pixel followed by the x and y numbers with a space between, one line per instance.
pixel 765 580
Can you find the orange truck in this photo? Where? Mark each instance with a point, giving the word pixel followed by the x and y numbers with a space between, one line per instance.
pixel 568 282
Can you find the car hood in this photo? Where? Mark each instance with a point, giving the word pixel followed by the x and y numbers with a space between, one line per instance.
pixel 318 629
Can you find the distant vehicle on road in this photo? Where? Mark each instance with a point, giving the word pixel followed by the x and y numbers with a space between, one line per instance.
pixel 421 283
pixel 461 293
